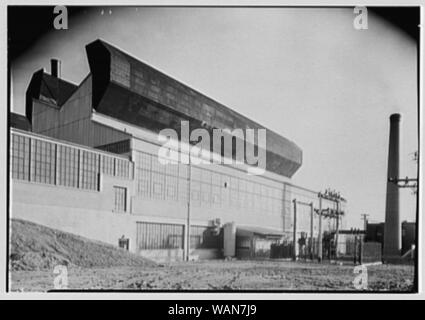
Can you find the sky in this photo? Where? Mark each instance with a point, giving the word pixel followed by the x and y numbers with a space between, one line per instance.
pixel 305 73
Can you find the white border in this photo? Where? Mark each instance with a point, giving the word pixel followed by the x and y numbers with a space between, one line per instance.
pixel 183 295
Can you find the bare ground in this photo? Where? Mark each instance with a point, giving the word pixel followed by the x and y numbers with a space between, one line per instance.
pixel 221 275
pixel 35 250
pixel 37 247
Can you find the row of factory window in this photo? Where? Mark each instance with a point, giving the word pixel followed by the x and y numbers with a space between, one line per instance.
pixel 155 236
pixel 171 236
pixel 208 188
pixel 41 161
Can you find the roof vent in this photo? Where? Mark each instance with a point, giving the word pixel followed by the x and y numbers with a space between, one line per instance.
pixel 55 66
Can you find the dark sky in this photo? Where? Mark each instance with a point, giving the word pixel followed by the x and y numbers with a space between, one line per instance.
pixel 26 24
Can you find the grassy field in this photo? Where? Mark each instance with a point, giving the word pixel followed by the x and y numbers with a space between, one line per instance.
pixel 35 250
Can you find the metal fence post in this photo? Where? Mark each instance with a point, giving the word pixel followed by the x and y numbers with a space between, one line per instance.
pixel 294 251
pixel 189 178
pixel 337 230
pixel 319 249
pixel 311 231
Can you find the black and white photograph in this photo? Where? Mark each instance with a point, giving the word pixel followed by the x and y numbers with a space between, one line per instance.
pixel 213 149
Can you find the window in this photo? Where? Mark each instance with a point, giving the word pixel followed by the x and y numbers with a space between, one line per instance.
pixel 120 199
pixel 234 192
pixel 206 193
pixel 171 181
pixel 160 181
pixel 89 170
pixel 108 165
pixel 68 166
pixel 216 195
pixel 143 183
pixel 143 175
pixel 38 160
pixel 159 236
pixel 43 162
pixel 20 157
pixel 116 167
pixel 121 168
pixel 121 71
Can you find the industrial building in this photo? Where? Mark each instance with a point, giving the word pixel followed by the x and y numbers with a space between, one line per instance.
pixel 84 159
pixel 375 233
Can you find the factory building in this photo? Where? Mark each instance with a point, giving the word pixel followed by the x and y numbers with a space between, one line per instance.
pixel 86 159
pixel 375 233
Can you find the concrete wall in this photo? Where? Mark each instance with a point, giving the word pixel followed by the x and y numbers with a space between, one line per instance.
pixel 90 214
pixel 163 255
pixel 86 213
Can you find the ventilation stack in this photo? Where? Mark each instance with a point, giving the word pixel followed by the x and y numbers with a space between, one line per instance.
pixel 55 68
pixel 392 243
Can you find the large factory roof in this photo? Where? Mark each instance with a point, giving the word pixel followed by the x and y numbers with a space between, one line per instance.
pixel 130 90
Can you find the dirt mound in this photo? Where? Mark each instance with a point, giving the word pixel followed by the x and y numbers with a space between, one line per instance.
pixel 36 247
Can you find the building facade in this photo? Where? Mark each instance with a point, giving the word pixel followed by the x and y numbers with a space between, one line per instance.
pixel 88 162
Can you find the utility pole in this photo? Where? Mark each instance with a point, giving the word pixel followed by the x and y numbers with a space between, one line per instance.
pixel 330 213
pixel 310 240
pixel 319 249
pixel 294 251
pixel 189 178
pixel 337 227
pixel 364 218
pixel 311 230
pixel 407 182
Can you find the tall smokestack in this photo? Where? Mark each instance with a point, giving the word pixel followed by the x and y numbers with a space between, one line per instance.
pixel 392 243
pixel 55 68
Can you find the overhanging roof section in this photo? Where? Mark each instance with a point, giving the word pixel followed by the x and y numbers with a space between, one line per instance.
pixel 132 91
pixel 245 231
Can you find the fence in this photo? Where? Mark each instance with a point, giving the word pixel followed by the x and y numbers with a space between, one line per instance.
pixel 358 251
pixel 353 250
pixel 281 251
pixel 159 235
pixel 371 252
